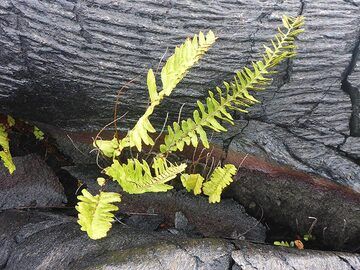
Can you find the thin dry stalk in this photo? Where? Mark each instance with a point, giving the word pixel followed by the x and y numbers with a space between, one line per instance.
pixel 180 111
pixel 117 102
pixel 158 137
pixel 161 59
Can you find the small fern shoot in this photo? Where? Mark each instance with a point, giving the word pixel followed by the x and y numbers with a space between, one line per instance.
pixel 219 179
pixel 236 94
pixel 5 154
pixel 95 212
pixel 136 177
pixel 192 182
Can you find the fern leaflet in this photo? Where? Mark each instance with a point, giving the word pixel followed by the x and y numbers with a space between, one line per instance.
pixel 95 215
pixel 236 95
pixel 219 179
pixel 192 182
pixel 136 177
pixel 5 153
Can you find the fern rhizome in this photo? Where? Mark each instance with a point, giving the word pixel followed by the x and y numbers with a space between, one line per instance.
pixel 138 176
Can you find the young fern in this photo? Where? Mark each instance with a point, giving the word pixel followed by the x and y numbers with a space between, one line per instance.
pixel 95 215
pixel 219 179
pixel 236 95
pixel 5 154
pixel 192 182
pixel 135 176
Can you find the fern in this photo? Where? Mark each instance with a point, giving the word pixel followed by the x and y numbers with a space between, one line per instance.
pixel 192 182
pixel 108 147
pixel 39 135
pixel 5 153
pixel 219 179
pixel 95 215
pixel 135 177
pixel 236 94
pixel 174 70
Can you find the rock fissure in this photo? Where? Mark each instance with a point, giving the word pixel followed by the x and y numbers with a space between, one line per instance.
pixel 232 263
pixel 353 91
pixel 288 129
pixel 315 163
pixel 346 261
pixel 227 142
pixel 302 7
pixel 308 113
pixel 22 40
pixel 77 17
pixel 351 2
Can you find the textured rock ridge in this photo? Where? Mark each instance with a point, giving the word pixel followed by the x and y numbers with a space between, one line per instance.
pixel 40 240
pixel 62 63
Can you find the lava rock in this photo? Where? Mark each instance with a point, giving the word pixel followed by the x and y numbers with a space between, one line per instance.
pixel 255 257
pixel 39 240
pixel 352 147
pixel 181 222
pixel 295 200
pixel 43 240
pixel 274 143
pixel 210 220
pixel 33 184
pixel 63 62
pixel 87 175
pixel 146 221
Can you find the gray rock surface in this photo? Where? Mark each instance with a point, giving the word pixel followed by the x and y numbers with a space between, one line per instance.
pixel 35 240
pixel 257 257
pixel 301 203
pixel 33 184
pixel 62 63
pixel 285 147
pixel 40 240
pixel 145 221
pixel 211 220
pixel 352 147
pixel 181 222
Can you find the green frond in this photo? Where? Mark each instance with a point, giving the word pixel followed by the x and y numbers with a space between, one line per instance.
pixel 192 182
pixel 108 148
pixel 10 121
pixel 172 73
pixel 184 58
pixel 136 177
pixel 5 154
pixel 39 135
pixel 95 212
pixel 219 179
pixel 235 94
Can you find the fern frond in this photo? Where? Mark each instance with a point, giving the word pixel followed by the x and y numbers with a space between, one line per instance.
pixel 172 73
pixel 184 58
pixel 192 182
pixel 136 177
pixel 235 95
pixel 108 147
pixel 95 215
pixel 219 179
pixel 5 154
